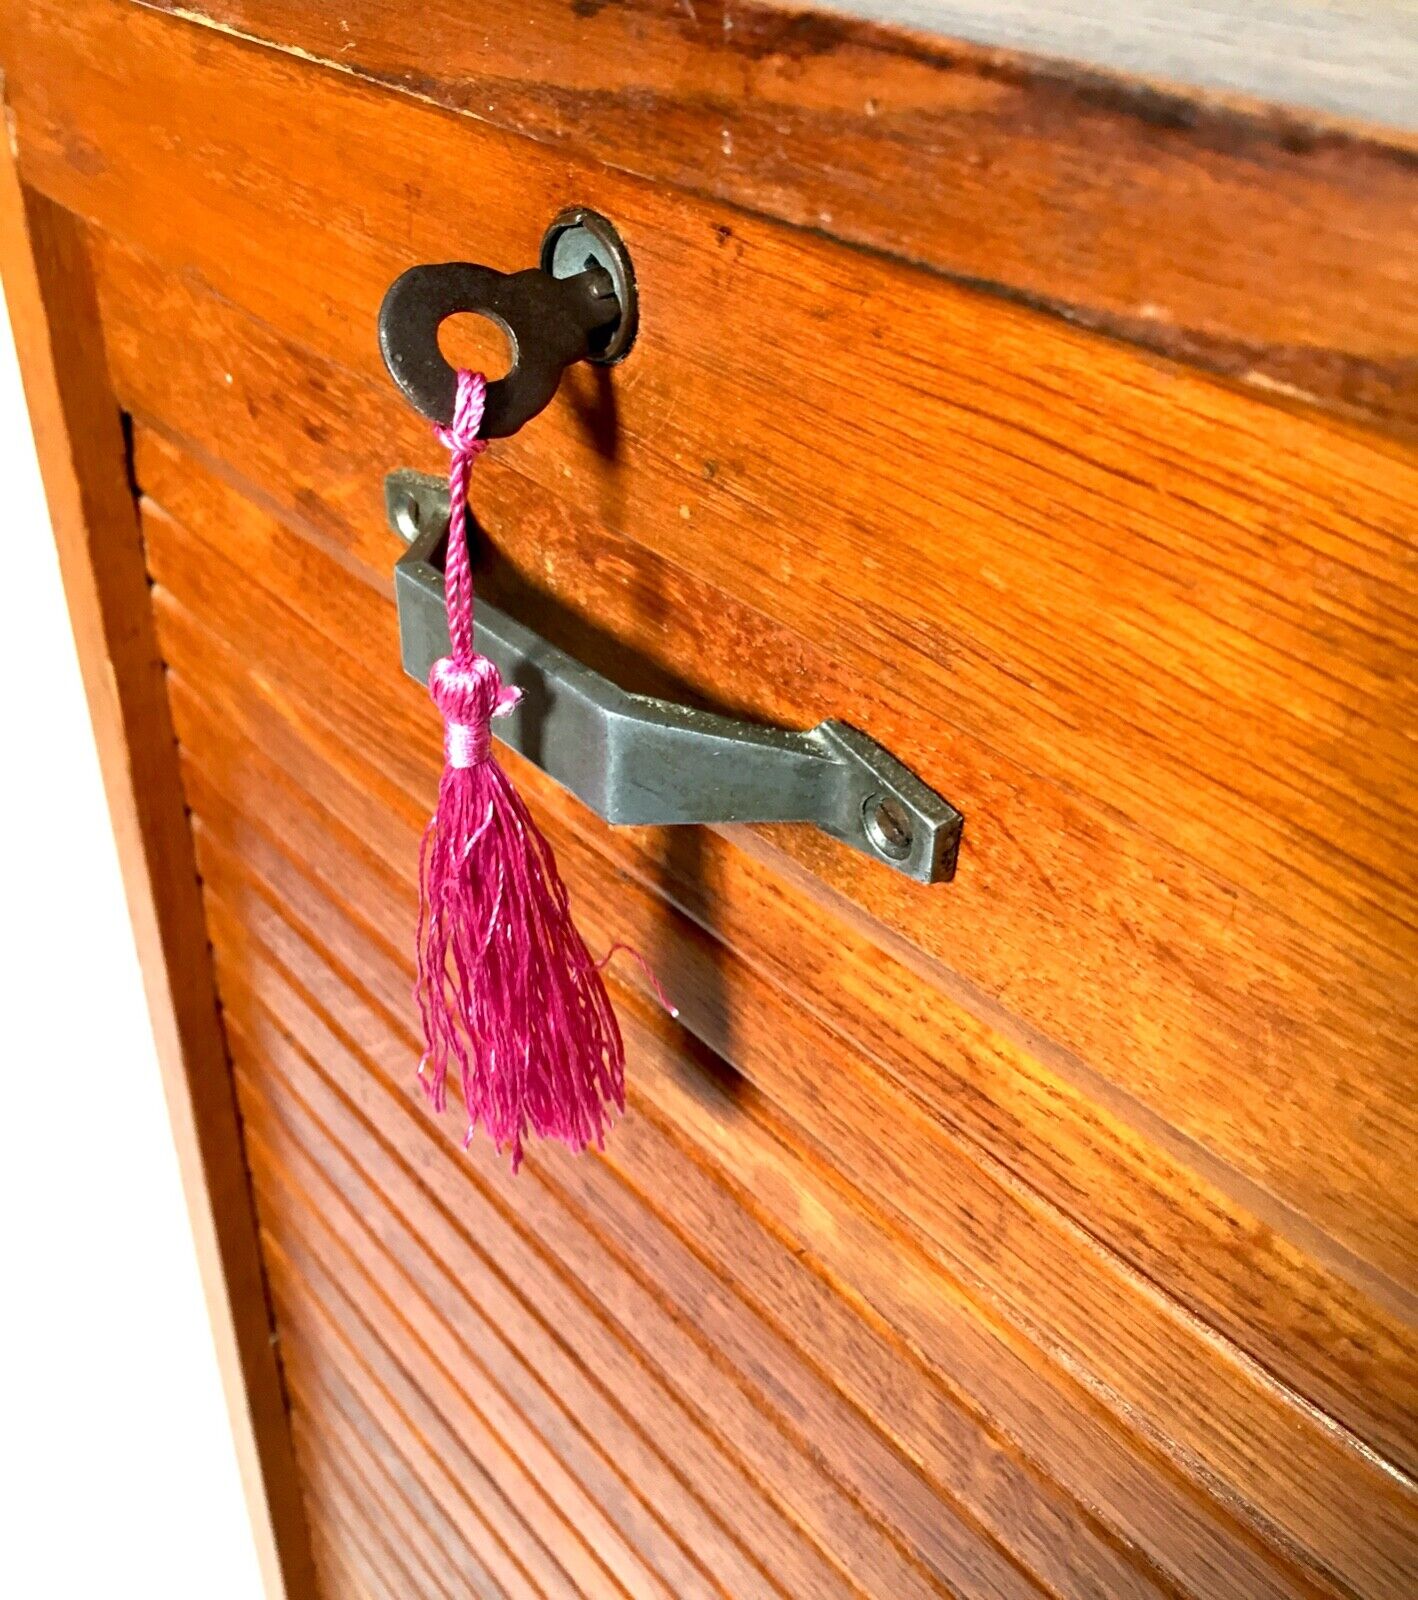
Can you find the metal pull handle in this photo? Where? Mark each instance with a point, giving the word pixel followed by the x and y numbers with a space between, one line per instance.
pixel 579 305
pixel 634 759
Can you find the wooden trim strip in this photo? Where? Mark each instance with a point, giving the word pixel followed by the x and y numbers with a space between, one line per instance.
pixel 83 458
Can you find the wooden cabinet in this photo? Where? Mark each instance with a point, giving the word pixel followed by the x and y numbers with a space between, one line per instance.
pixel 1047 1233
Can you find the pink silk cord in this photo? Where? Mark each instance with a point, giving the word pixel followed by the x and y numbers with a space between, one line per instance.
pixel 509 997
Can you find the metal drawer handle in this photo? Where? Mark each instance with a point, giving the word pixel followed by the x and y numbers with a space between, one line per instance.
pixel 633 759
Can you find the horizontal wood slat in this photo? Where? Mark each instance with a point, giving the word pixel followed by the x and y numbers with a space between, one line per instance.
pixel 353 1522
pixel 558 1236
pixel 555 1539
pixel 1245 241
pixel 381 1269
pixel 1049 1540
pixel 546 1221
pixel 1229 1560
pixel 384 1505
pixel 313 1328
pixel 339 1418
pixel 1218 529
pixel 563 1456
pixel 173 550
pixel 711 984
pixel 320 1174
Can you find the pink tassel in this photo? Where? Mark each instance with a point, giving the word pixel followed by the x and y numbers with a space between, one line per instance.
pixel 507 990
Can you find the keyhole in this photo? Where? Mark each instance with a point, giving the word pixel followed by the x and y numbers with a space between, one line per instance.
pixel 473 341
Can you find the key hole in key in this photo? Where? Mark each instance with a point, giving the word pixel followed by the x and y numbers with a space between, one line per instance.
pixel 478 343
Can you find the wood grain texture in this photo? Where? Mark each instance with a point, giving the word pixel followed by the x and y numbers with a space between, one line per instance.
pixel 1153 593
pixel 1266 1295
pixel 1196 1581
pixel 1196 977
pixel 281 682
pixel 1281 253
pixel 83 457
pixel 1045 1235
pixel 1321 1329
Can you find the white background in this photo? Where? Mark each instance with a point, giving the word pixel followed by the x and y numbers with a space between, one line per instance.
pixel 122 1479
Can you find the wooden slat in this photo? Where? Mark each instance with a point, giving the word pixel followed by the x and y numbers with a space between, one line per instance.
pixel 50 295
pixel 658 1501
pixel 382 1507
pixel 544 1440
pixel 632 1368
pixel 469 1482
pixel 480 1314
pixel 694 1463
pixel 397 1498
pixel 1239 239
pixel 784 1451
pixel 1311 935
pixel 543 1213
pixel 345 1295
pixel 318 1338
pixel 353 1523
pixel 715 986
pixel 1023 1516
pixel 338 1579
pixel 298 1191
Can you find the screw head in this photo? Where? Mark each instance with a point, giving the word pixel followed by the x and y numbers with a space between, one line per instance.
pixel 888 826
pixel 406 517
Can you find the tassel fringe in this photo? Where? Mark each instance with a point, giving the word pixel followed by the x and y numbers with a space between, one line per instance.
pixel 510 999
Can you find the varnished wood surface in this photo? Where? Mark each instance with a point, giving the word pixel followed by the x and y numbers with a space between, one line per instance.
pixel 1245 239
pixel 1045 1420
pixel 1148 1206
pixel 1150 647
pixel 1151 650
pixel 1049 1234
pixel 50 296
